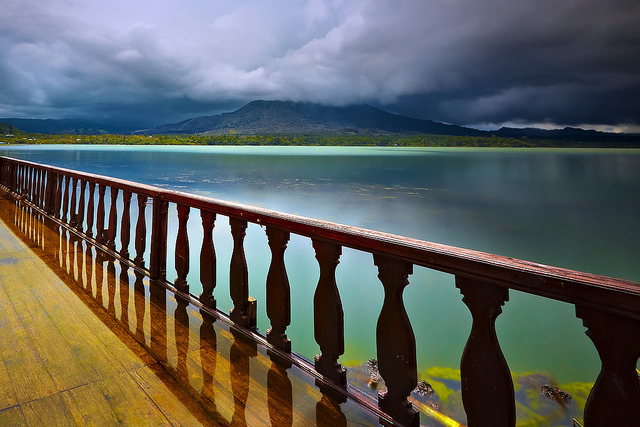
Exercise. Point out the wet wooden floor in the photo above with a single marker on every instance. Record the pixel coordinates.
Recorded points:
(85, 340)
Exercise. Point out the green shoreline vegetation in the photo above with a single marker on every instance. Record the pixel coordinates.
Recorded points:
(307, 139)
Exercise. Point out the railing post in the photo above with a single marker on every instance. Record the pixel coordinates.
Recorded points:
(208, 260)
(615, 397)
(244, 308)
(141, 231)
(125, 224)
(328, 317)
(487, 386)
(278, 292)
(396, 343)
(158, 258)
(182, 249)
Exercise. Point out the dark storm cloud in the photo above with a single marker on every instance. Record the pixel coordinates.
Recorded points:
(459, 61)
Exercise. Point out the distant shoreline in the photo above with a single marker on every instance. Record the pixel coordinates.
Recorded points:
(319, 139)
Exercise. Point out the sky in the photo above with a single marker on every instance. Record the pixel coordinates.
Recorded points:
(485, 64)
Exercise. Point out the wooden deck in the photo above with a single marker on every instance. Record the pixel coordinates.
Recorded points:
(85, 340)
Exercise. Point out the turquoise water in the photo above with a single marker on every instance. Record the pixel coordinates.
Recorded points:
(577, 209)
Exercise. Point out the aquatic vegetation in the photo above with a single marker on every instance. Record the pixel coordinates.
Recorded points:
(539, 401)
(555, 393)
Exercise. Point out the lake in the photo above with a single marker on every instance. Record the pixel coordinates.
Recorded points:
(572, 208)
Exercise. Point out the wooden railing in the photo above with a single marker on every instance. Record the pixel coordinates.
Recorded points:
(609, 308)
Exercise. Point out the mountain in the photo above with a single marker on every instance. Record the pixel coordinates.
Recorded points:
(7, 129)
(274, 117)
(71, 126)
(568, 134)
(260, 117)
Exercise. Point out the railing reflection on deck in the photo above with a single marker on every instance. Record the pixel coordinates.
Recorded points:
(609, 308)
(218, 366)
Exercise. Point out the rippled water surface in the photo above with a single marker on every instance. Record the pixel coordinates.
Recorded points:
(577, 209)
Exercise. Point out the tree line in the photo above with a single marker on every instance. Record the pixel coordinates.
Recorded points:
(310, 139)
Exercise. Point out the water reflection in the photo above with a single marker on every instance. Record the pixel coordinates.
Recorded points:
(236, 381)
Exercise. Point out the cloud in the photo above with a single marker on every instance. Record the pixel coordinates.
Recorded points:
(458, 61)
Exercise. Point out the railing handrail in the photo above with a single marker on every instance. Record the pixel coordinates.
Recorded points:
(616, 295)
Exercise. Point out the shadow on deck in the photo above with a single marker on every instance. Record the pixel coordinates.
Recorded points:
(89, 340)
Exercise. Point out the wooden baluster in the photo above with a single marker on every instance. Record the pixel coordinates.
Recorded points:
(65, 202)
(36, 188)
(41, 187)
(141, 231)
(44, 186)
(328, 317)
(113, 220)
(90, 209)
(52, 195)
(20, 179)
(615, 397)
(158, 257)
(125, 224)
(395, 342)
(100, 237)
(33, 192)
(487, 386)
(81, 203)
(278, 293)
(243, 311)
(27, 181)
(17, 177)
(208, 260)
(73, 216)
(32, 187)
(182, 249)
(58, 195)
(49, 191)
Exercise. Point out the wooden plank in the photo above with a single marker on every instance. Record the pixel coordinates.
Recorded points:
(29, 378)
(12, 417)
(50, 409)
(89, 407)
(171, 398)
(129, 402)
(66, 370)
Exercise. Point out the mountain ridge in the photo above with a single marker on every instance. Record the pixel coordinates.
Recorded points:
(258, 117)
(288, 117)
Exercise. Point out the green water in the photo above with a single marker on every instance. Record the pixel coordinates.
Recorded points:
(576, 208)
